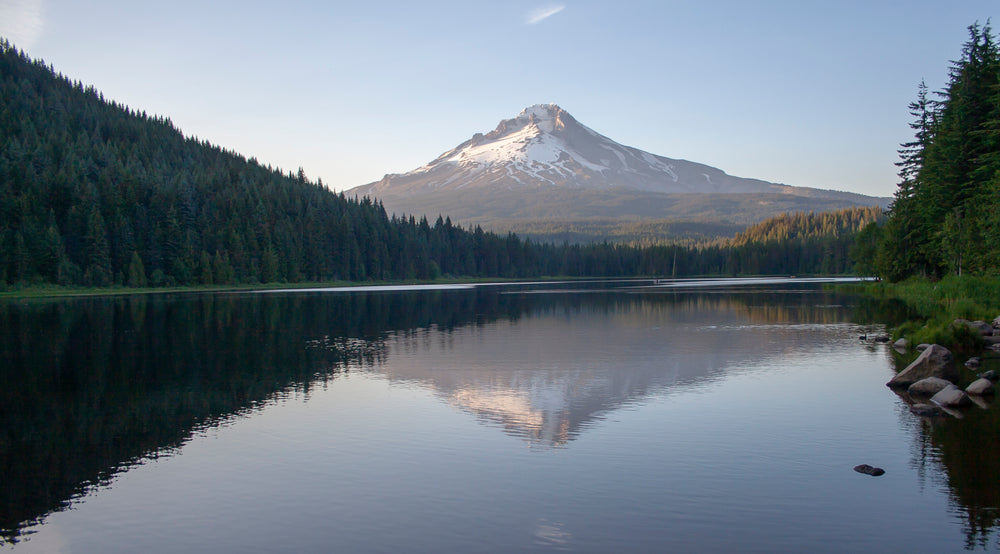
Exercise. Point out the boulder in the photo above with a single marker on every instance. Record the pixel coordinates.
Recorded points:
(984, 329)
(973, 363)
(934, 361)
(992, 375)
(928, 386)
(922, 346)
(980, 387)
(951, 397)
(926, 410)
(996, 322)
(869, 470)
(901, 344)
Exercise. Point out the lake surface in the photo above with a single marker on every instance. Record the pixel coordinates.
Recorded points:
(721, 416)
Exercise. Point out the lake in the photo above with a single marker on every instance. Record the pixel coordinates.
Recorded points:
(617, 416)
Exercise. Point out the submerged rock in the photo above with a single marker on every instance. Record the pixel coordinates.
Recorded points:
(983, 402)
(980, 387)
(928, 386)
(869, 470)
(926, 410)
(951, 397)
(934, 361)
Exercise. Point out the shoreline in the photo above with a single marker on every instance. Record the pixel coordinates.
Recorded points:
(938, 307)
(57, 291)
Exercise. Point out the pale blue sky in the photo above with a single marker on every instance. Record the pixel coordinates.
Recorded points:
(800, 92)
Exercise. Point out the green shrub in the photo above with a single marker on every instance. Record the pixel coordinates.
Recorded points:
(960, 338)
(907, 330)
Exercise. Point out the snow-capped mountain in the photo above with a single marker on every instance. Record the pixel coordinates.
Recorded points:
(545, 146)
(544, 164)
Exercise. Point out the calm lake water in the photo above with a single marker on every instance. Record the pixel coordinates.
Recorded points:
(584, 417)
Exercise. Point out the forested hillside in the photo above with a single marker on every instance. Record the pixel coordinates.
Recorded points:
(95, 193)
(802, 242)
(945, 216)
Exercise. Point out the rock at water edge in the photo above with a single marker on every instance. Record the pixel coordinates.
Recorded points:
(951, 397)
(981, 327)
(934, 361)
(980, 387)
(928, 386)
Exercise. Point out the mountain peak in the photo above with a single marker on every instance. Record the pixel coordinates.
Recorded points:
(539, 118)
(541, 111)
(541, 108)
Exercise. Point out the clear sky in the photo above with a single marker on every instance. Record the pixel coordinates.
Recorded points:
(802, 92)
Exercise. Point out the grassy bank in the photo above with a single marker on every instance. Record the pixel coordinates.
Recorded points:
(937, 304)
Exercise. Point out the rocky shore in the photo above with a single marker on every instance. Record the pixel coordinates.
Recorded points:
(934, 384)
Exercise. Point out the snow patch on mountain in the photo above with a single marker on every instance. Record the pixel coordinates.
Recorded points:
(527, 144)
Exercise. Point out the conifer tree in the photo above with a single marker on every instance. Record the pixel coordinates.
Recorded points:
(136, 271)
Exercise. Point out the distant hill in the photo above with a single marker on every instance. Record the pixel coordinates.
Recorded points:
(544, 168)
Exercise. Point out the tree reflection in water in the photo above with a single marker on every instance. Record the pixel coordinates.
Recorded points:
(963, 454)
(89, 387)
(960, 453)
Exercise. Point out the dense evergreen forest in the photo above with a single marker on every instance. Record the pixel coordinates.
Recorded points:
(801, 243)
(94, 193)
(945, 216)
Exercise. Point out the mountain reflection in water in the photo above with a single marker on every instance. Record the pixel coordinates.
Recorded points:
(547, 377)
